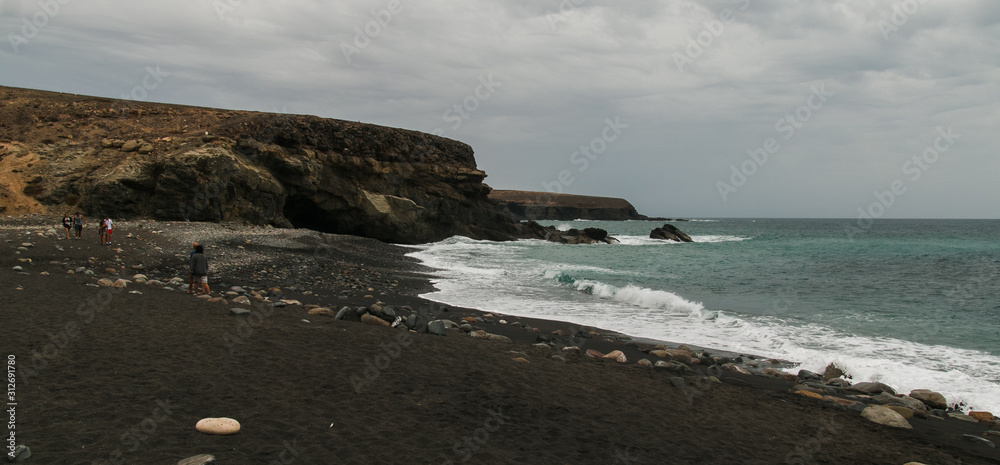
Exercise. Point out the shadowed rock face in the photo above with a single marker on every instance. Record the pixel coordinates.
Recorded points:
(564, 207)
(670, 232)
(62, 152)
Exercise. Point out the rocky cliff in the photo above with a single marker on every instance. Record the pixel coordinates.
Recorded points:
(527, 205)
(61, 152)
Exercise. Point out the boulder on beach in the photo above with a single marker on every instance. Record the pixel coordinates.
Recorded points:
(872, 388)
(885, 416)
(436, 327)
(932, 399)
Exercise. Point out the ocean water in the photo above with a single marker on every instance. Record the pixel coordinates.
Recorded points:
(911, 303)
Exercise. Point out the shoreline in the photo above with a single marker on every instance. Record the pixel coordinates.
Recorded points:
(343, 271)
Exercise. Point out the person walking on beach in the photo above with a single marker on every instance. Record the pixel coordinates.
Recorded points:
(199, 269)
(102, 231)
(67, 223)
(109, 227)
(78, 222)
(194, 249)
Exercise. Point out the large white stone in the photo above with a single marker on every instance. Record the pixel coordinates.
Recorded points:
(221, 426)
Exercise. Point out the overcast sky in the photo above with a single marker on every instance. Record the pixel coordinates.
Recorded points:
(666, 97)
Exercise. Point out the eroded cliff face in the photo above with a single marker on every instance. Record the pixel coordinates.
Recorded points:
(61, 152)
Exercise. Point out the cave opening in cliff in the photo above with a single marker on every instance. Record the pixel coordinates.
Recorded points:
(303, 212)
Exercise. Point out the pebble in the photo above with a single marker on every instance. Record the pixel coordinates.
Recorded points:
(617, 356)
(902, 411)
(572, 349)
(219, 426)
(645, 363)
(322, 311)
(373, 320)
(242, 300)
(809, 394)
(18, 268)
(982, 417)
(239, 312)
(197, 460)
(105, 282)
(541, 345)
(347, 314)
(677, 382)
(19, 454)
(120, 283)
(979, 440)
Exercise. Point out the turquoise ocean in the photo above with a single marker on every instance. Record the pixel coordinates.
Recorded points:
(910, 303)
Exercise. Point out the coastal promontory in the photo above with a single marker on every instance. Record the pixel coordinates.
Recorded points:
(128, 159)
(526, 205)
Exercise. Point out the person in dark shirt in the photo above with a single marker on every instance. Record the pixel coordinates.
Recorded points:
(67, 223)
(194, 246)
(78, 222)
(199, 268)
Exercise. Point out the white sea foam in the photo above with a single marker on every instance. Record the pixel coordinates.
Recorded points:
(498, 277)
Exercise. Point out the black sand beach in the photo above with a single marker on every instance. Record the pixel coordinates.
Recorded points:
(110, 375)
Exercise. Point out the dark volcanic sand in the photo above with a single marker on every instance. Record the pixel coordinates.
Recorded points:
(123, 378)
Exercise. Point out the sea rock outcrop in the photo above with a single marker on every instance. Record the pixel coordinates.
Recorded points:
(532, 230)
(671, 233)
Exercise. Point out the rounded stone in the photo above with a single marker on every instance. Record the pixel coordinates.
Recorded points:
(219, 426)
(885, 416)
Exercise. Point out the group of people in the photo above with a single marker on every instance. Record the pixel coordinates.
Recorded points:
(77, 221)
(197, 279)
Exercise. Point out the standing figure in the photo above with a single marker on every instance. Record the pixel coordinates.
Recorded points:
(67, 223)
(194, 249)
(78, 222)
(199, 268)
(109, 227)
(102, 231)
